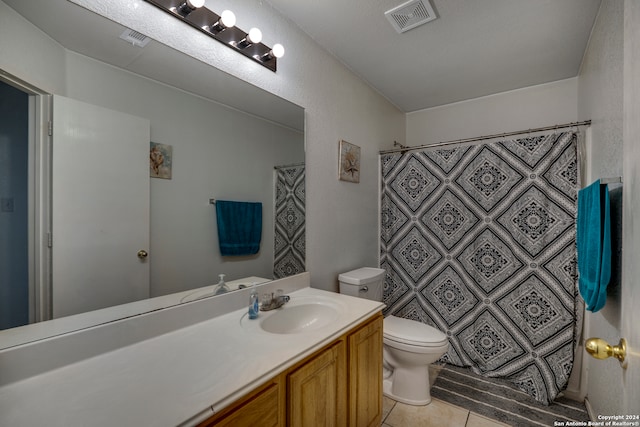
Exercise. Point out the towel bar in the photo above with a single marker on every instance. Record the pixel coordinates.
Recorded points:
(615, 180)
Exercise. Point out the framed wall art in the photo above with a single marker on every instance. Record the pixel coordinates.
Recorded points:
(160, 160)
(349, 162)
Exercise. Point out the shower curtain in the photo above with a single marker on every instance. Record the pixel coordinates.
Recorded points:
(479, 241)
(289, 241)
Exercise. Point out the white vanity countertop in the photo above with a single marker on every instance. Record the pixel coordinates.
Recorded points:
(168, 379)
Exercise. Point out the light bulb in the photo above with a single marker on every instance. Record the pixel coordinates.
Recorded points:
(188, 6)
(195, 4)
(277, 50)
(227, 19)
(254, 36)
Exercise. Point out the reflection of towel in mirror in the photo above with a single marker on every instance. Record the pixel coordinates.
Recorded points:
(593, 240)
(239, 227)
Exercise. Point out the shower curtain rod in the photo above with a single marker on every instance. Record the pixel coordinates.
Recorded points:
(481, 138)
(289, 166)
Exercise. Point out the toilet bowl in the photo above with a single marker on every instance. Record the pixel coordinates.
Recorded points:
(409, 347)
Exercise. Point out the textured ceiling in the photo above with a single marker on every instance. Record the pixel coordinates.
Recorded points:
(474, 47)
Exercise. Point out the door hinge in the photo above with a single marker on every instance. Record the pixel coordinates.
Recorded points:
(49, 240)
(50, 128)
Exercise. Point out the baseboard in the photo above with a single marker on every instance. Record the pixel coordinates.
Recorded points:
(592, 415)
(573, 395)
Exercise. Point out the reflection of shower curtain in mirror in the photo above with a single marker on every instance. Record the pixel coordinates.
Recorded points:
(289, 242)
(479, 241)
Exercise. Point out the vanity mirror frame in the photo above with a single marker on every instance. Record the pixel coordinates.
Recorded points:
(38, 331)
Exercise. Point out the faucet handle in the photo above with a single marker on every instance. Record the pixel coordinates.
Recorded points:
(266, 299)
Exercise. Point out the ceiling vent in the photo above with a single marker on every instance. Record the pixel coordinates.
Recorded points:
(135, 38)
(410, 15)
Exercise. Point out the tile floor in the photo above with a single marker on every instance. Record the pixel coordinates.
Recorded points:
(436, 414)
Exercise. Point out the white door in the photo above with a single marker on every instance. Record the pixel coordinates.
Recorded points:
(100, 207)
(630, 288)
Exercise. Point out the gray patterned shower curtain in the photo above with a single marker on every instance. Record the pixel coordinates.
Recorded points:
(479, 241)
(289, 240)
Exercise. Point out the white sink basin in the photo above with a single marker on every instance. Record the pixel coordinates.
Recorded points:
(297, 316)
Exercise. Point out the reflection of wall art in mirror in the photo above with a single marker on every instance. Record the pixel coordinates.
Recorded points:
(349, 162)
(160, 159)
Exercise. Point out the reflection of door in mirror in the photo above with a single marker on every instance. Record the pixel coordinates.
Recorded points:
(94, 245)
(101, 156)
(14, 275)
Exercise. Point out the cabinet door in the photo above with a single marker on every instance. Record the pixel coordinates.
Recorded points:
(317, 391)
(365, 375)
(264, 408)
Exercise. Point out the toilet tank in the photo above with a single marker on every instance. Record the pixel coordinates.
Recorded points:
(365, 282)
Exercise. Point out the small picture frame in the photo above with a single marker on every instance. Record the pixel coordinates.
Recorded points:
(160, 160)
(349, 162)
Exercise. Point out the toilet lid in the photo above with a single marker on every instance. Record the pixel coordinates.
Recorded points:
(411, 332)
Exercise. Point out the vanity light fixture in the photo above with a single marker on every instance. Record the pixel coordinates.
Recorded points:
(222, 28)
(188, 6)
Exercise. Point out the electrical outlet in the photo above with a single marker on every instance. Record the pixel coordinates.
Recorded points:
(6, 204)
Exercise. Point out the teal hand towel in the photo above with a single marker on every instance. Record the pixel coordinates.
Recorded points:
(593, 239)
(239, 227)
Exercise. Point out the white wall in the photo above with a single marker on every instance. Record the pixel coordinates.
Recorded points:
(218, 153)
(43, 66)
(342, 217)
(600, 98)
(536, 106)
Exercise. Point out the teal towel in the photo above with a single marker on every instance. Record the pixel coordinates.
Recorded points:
(239, 227)
(593, 240)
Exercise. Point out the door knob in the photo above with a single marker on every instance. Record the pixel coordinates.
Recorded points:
(600, 349)
(142, 254)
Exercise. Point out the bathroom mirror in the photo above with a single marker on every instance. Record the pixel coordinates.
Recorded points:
(217, 156)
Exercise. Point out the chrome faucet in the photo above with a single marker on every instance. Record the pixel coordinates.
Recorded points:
(273, 301)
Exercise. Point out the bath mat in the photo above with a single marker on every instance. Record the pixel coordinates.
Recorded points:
(500, 400)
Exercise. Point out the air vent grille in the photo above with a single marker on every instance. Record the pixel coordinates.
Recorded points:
(410, 15)
(135, 38)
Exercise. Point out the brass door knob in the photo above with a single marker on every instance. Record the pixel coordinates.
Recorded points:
(600, 349)
(142, 254)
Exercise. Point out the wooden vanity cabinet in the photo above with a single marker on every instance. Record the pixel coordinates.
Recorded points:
(339, 385)
(264, 406)
(365, 375)
(317, 390)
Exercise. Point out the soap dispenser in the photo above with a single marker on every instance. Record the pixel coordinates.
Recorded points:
(221, 287)
(254, 305)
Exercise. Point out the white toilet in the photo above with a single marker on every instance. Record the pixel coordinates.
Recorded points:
(409, 346)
